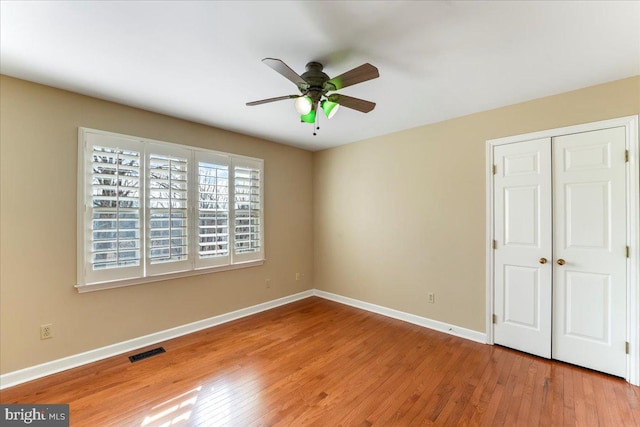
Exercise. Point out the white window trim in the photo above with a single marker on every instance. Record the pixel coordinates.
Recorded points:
(99, 286)
(147, 275)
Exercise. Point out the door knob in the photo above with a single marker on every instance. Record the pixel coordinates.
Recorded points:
(543, 261)
(560, 261)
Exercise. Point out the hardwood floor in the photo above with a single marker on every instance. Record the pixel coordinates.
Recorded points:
(316, 362)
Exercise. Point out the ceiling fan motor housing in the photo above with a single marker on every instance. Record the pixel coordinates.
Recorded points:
(318, 82)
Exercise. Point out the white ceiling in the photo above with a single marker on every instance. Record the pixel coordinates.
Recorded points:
(201, 60)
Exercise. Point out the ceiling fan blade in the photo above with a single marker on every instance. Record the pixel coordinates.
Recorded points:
(278, 98)
(286, 71)
(353, 103)
(357, 75)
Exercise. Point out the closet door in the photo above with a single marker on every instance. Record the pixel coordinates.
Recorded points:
(589, 279)
(522, 268)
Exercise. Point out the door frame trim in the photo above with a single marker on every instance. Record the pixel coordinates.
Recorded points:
(630, 123)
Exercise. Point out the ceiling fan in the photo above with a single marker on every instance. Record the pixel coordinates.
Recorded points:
(314, 86)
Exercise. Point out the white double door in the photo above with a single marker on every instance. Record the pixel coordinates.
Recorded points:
(560, 260)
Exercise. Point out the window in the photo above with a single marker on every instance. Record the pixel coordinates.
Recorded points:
(150, 210)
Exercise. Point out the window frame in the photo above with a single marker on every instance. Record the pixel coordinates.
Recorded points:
(89, 279)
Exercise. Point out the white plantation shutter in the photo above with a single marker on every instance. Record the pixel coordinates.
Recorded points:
(167, 209)
(113, 210)
(247, 211)
(213, 210)
(148, 209)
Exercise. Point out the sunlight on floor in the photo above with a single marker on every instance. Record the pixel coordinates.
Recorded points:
(227, 396)
(176, 411)
(216, 403)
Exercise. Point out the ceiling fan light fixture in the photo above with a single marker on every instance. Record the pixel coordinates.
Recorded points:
(310, 117)
(303, 105)
(330, 108)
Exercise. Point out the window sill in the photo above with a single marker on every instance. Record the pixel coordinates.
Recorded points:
(160, 277)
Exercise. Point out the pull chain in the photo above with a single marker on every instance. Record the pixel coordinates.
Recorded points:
(315, 123)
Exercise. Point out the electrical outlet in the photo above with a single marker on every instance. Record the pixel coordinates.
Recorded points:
(268, 283)
(46, 331)
(297, 276)
(431, 298)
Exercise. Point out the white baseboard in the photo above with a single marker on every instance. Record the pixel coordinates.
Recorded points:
(38, 371)
(407, 317)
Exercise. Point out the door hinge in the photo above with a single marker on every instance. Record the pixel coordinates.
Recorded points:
(626, 347)
(495, 169)
(626, 156)
(627, 251)
(494, 318)
(495, 244)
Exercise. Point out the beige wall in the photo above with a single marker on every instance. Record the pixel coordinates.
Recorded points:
(38, 137)
(401, 215)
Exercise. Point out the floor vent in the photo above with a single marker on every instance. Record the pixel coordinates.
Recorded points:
(146, 354)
